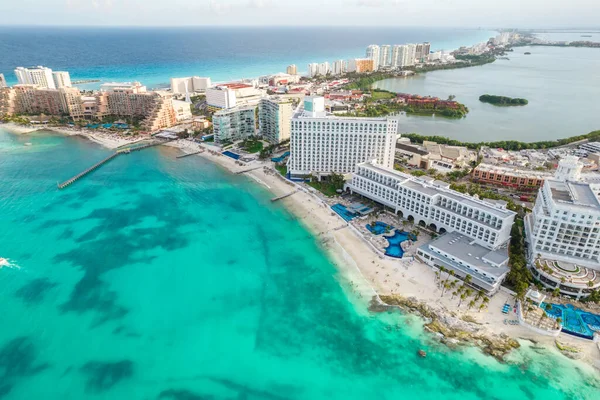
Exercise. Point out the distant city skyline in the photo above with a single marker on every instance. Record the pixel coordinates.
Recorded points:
(463, 13)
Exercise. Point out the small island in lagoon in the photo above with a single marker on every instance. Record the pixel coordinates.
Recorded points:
(502, 101)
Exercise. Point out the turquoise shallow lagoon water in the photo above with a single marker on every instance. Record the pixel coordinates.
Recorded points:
(157, 278)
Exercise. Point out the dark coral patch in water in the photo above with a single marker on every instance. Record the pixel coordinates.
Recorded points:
(18, 361)
(181, 394)
(35, 291)
(101, 376)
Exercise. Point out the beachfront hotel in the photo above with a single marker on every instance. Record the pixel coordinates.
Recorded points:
(274, 115)
(229, 95)
(2, 81)
(477, 231)
(563, 230)
(234, 124)
(39, 75)
(322, 143)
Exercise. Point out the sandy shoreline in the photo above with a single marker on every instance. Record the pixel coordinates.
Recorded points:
(108, 140)
(372, 275)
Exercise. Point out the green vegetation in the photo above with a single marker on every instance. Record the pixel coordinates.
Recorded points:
(519, 277)
(505, 144)
(502, 101)
(328, 185)
(251, 145)
(379, 94)
(282, 169)
(364, 81)
(459, 112)
(270, 149)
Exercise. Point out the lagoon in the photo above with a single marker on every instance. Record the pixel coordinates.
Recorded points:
(561, 85)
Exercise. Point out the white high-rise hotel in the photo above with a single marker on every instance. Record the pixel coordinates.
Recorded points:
(322, 143)
(373, 54)
(43, 77)
(565, 222)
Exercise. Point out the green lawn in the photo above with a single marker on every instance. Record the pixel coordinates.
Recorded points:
(326, 188)
(252, 146)
(282, 169)
(377, 95)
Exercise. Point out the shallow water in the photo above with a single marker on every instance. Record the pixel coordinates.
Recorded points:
(157, 278)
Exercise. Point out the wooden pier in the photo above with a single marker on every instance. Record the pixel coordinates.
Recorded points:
(190, 154)
(274, 199)
(104, 161)
(87, 171)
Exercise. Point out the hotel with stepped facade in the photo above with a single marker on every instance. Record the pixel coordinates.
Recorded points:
(321, 143)
(563, 231)
(475, 233)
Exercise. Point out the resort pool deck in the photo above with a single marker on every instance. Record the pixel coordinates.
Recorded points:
(395, 249)
(379, 228)
(575, 321)
(343, 212)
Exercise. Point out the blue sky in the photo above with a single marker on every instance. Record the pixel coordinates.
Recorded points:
(460, 13)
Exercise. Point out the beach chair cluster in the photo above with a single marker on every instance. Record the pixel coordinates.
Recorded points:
(506, 308)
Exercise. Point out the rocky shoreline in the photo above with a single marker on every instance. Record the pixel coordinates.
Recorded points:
(451, 330)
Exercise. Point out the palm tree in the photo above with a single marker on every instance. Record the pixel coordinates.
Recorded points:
(481, 307)
(480, 294)
(445, 287)
(450, 273)
(556, 292)
(590, 283)
(558, 322)
(453, 294)
(471, 304)
(468, 279)
(542, 317)
(462, 297)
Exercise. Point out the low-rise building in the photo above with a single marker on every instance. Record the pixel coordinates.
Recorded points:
(234, 124)
(521, 179)
(183, 110)
(456, 252)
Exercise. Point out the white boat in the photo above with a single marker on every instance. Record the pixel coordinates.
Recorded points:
(27, 144)
(4, 262)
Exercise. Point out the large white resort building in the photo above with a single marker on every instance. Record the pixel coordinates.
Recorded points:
(563, 231)
(321, 143)
(477, 231)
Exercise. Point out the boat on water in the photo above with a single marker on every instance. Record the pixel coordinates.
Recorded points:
(27, 144)
(4, 262)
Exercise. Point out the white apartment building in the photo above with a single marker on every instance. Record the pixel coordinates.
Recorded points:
(406, 55)
(189, 85)
(39, 75)
(385, 56)
(3, 83)
(234, 124)
(274, 119)
(322, 143)
(339, 67)
(565, 222)
(61, 79)
(313, 69)
(183, 110)
(373, 54)
(422, 51)
(229, 95)
(324, 68)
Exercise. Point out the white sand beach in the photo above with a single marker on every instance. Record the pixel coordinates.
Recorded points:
(109, 140)
(371, 273)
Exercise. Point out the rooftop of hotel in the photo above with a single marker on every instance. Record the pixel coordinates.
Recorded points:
(574, 193)
(575, 275)
(466, 250)
(431, 187)
(525, 173)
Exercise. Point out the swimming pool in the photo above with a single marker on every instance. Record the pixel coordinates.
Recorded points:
(575, 321)
(343, 212)
(379, 228)
(231, 154)
(394, 249)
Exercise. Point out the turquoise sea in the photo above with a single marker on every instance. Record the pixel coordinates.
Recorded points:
(157, 278)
